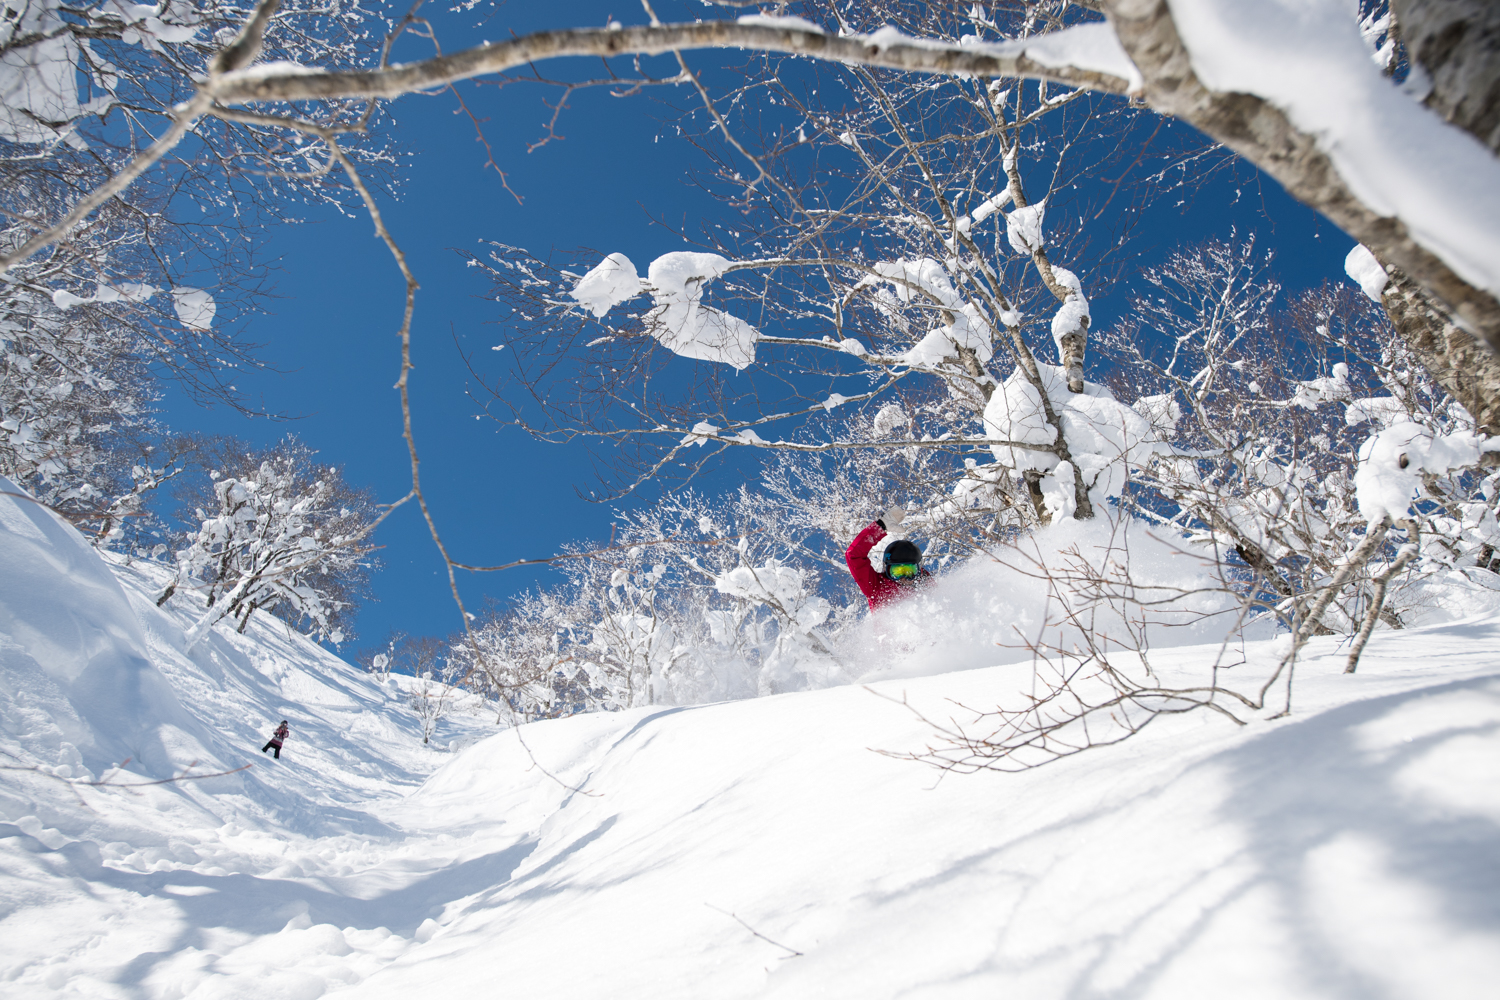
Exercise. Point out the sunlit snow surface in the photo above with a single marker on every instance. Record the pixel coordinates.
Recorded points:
(752, 849)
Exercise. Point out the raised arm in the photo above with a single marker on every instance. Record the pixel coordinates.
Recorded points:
(857, 556)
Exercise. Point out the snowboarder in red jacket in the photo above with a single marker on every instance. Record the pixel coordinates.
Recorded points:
(278, 738)
(903, 562)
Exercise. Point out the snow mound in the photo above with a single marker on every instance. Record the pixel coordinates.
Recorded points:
(79, 686)
(760, 849)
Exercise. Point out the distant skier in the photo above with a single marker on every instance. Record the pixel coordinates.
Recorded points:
(278, 738)
(903, 562)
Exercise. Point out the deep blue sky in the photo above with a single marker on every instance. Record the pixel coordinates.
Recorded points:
(498, 495)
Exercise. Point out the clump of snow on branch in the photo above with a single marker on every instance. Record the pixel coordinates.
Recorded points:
(610, 283)
(1161, 411)
(1366, 271)
(1023, 228)
(1383, 411)
(679, 321)
(927, 280)
(1393, 462)
(784, 21)
(1330, 388)
(702, 433)
(889, 418)
(984, 210)
(1072, 317)
(687, 327)
(1093, 46)
(39, 81)
(1105, 436)
(195, 307)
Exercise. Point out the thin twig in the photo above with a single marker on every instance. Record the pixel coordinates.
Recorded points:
(794, 953)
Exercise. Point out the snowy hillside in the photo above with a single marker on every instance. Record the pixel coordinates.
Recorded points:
(750, 849)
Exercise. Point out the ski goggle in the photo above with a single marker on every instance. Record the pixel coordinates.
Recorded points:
(903, 571)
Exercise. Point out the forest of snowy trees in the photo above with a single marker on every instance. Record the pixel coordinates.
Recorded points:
(893, 310)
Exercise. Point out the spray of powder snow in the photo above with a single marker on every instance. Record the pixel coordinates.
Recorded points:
(1000, 604)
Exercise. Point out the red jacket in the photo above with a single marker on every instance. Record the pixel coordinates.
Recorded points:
(878, 588)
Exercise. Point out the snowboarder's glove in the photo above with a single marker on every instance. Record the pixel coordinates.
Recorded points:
(893, 518)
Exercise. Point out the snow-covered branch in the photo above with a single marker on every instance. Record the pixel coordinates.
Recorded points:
(1085, 56)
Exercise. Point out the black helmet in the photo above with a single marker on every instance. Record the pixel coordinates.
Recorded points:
(902, 551)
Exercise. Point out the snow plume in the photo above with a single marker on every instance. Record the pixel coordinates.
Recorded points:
(1392, 463)
(800, 660)
(998, 605)
(1105, 436)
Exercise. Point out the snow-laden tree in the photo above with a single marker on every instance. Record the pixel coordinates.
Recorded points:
(78, 384)
(280, 533)
(1412, 179)
(522, 657)
(1251, 73)
(87, 90)
(698, 599)
(900, 250)
(432, 692)
(1265, 407)
(89, 321)
(937, 284)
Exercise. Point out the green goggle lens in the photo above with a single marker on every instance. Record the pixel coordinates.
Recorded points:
(903, 571)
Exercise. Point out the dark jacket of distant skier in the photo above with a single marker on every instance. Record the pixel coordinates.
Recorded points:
(903, 572)
(278, 738)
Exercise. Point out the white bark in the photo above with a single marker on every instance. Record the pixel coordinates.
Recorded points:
(1011, 59)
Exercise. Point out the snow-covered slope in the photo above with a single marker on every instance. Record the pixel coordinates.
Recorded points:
(109, 890)
(752, 849)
